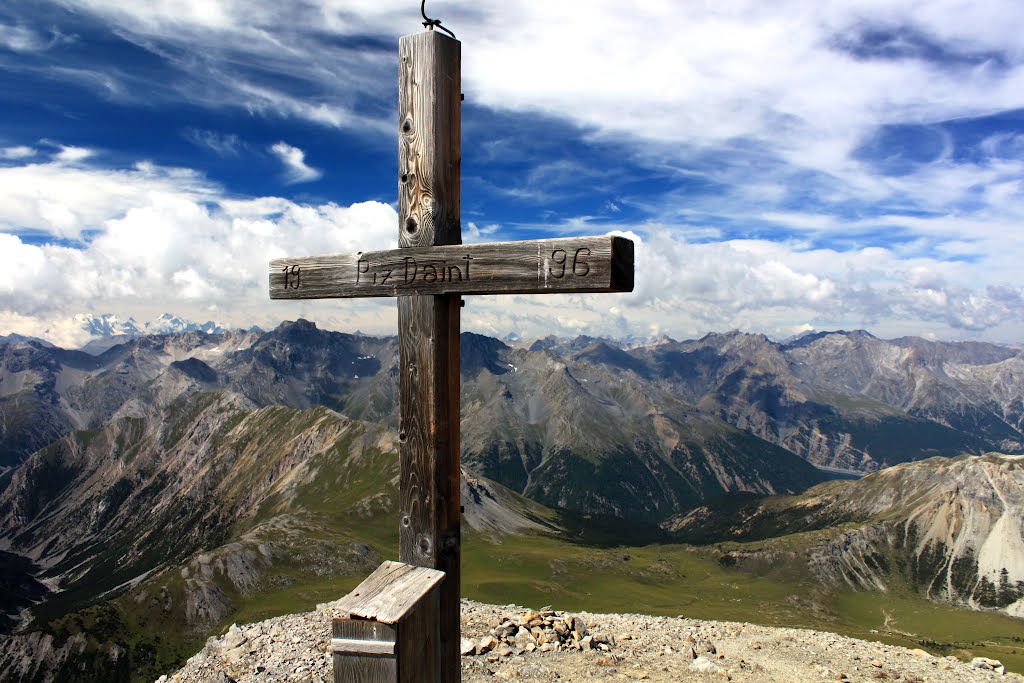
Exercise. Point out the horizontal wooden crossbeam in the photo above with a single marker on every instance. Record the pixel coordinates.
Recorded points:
(570, 264)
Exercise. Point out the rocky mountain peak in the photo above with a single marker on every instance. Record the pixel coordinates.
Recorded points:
(478, 352)
(299, 330)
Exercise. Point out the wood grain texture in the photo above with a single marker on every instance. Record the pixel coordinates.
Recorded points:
(390, 592)
(362, 647)
(418, 655)
(571, 264)
(429, 106)
(364, 668)
(429, 532)
(429, 140)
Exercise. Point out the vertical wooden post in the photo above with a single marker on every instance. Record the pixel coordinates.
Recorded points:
(430, 154)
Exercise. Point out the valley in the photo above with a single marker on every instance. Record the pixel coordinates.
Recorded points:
(171, 485)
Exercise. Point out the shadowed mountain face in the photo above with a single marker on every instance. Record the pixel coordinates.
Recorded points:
(47, 392)
(843, 400)
(581, 434)
(850, 400)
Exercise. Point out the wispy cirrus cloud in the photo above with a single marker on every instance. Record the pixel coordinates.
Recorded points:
(223, 144)
(24, 39)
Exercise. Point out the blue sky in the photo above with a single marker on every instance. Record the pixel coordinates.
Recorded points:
(783, 166)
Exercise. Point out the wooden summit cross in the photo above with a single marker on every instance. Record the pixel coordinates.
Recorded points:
(429, 273)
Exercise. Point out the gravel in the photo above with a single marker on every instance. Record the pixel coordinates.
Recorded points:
(629, 647)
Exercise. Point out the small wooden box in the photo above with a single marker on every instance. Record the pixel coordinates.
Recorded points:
(391, 633)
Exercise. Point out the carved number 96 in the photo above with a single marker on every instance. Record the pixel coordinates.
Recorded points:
(579, 267)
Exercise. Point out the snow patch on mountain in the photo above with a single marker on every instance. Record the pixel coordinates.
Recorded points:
(109, 325)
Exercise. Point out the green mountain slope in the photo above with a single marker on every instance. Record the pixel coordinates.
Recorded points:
(948, 528)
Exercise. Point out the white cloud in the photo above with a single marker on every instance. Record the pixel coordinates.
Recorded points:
(294, 160)
(63, 199)
(224, 144)
(177, 255)
(160, 237)
(21, 39)
(763, 100)
(686, 80)
(472, 233)
(19, 152)
(686, 289)
(70, 154)
(166, 239)
(60, 330)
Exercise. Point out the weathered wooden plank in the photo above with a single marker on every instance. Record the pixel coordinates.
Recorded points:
(418, 655)
(429, 158)
(364, 668)
(570, 264)
(429, 531)
(429, 140)
(390, 592)
(362, 647)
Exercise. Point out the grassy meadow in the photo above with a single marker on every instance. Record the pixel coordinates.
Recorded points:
(677, 580)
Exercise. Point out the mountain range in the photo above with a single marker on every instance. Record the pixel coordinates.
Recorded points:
(272, 456)
(110, 325)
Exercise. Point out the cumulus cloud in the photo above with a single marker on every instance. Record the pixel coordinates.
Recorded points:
(471, 232)
(770, 286)
(63, 199)
(153, 234)
(294, 160)
(168, 239)
(685, 289)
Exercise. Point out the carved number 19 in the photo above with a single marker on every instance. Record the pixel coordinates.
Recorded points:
(291, 277)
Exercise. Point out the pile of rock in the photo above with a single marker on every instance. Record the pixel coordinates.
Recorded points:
(986, 664)
(545, 631)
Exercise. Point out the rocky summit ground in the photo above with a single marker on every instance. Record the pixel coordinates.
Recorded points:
(514, 643)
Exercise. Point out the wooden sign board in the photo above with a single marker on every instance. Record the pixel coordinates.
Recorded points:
(571, 264)
(390, 634)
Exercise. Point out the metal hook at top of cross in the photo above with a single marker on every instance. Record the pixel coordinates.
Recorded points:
(431, 24)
